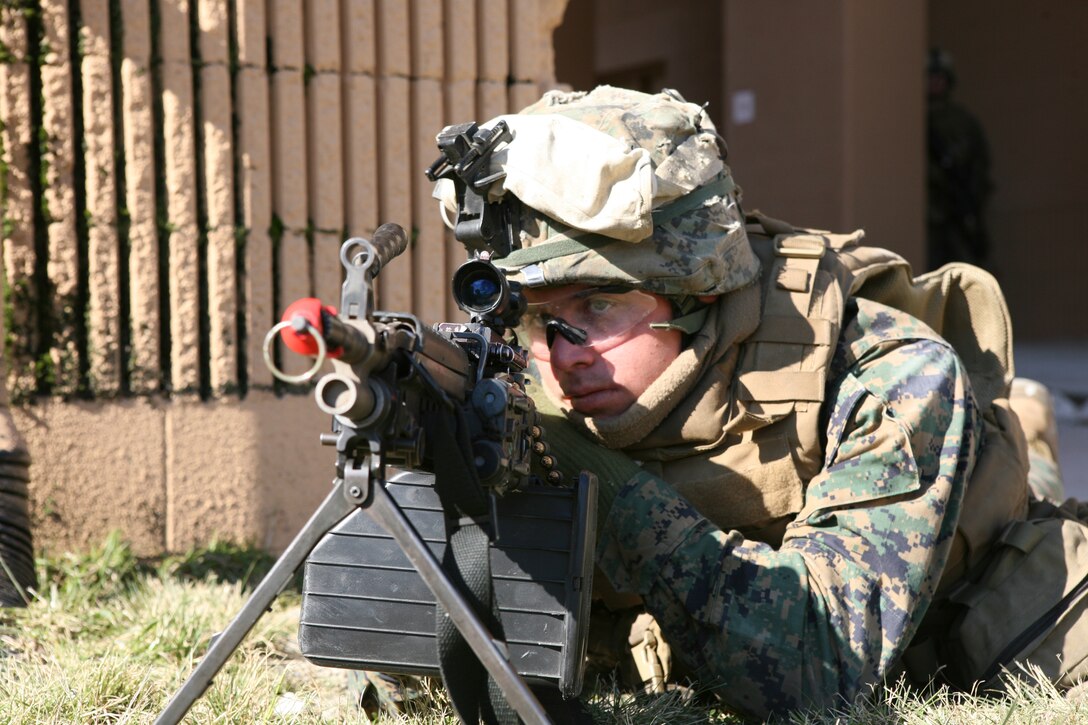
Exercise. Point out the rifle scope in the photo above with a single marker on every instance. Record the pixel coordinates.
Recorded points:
(482, 290)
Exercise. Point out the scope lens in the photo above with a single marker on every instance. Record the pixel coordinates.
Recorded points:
(479, 287)
(482, 293)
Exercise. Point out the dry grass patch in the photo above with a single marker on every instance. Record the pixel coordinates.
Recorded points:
(109, 638)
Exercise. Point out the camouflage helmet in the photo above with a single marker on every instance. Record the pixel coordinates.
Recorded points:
(696, 244)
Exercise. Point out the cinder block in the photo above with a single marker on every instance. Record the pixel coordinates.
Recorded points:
(532, 23)
(523, 94)
(73, 505)
(98, 138)
(178, 132)
(103, 333)
(431, 273)
(222, 311)
(460, 108)
(395, 190)
(218, 157)
(63, 264)
(174, 31)
(143, 274)
(211, 487)
(361, 154)
(139, 140)
(459, 44)
(285, 18)
(16, 135)
(13, 34)
(259, 315)
(136, 32)
(63, 271)
(326, 152)
(17, 250)
(327, 267)
(94, 16)
(323, 35)
(250, 32)
(294, 280)
(184, 311)
(394, 36)
(551, 17)
(59, 134)
(460, 103)
(491, 100)
(294, 479)
(254, 148)
(289, 183)
(56, 25)
(427, 42)
(359, 36)
(184, 482)
(455, 257)
(492, 39)
(525, 50)
(213, 18)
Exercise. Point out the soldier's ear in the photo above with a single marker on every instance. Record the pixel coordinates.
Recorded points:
(707, 299)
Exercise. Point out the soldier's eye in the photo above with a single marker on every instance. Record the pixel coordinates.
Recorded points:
(599, 305)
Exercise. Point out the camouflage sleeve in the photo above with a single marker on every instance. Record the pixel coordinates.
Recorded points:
(830, 610)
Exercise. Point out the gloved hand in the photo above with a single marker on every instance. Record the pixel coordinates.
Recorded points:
(574, 453)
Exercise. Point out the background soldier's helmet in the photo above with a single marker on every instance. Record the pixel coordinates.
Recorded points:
(622, 187)
(939, 62)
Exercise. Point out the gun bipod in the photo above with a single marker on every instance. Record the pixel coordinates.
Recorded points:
(358, 488)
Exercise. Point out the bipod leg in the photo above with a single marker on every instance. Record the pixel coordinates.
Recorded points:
(490, 652)
(338, 504)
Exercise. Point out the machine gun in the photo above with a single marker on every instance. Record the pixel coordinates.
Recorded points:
(451, 400)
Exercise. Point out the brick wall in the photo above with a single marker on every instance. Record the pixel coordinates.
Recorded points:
(172, 174)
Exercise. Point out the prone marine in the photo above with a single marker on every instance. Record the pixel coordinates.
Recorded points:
(808, 459)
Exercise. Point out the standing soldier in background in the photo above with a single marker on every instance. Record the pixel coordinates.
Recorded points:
(958, 175)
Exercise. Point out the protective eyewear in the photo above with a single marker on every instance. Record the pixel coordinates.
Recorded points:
(599, 318)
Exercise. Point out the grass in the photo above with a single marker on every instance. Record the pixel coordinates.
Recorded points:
(108, 638)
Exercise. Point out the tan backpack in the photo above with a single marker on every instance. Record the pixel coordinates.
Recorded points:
(1013, 595)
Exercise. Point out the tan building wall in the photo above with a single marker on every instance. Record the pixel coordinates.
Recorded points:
(163, 200)
(821, 103)
(831, 116)
(1023, 71)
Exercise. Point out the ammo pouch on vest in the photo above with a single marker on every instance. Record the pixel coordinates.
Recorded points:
(1023, 605)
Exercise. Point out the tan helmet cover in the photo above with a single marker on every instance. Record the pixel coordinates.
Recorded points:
(622, 187)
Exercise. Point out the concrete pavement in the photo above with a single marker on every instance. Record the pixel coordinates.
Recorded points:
(1063, 368)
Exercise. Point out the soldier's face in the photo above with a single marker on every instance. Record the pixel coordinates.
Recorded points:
(602, 380)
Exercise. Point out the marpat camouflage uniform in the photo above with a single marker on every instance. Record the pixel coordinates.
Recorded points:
(817, 620)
